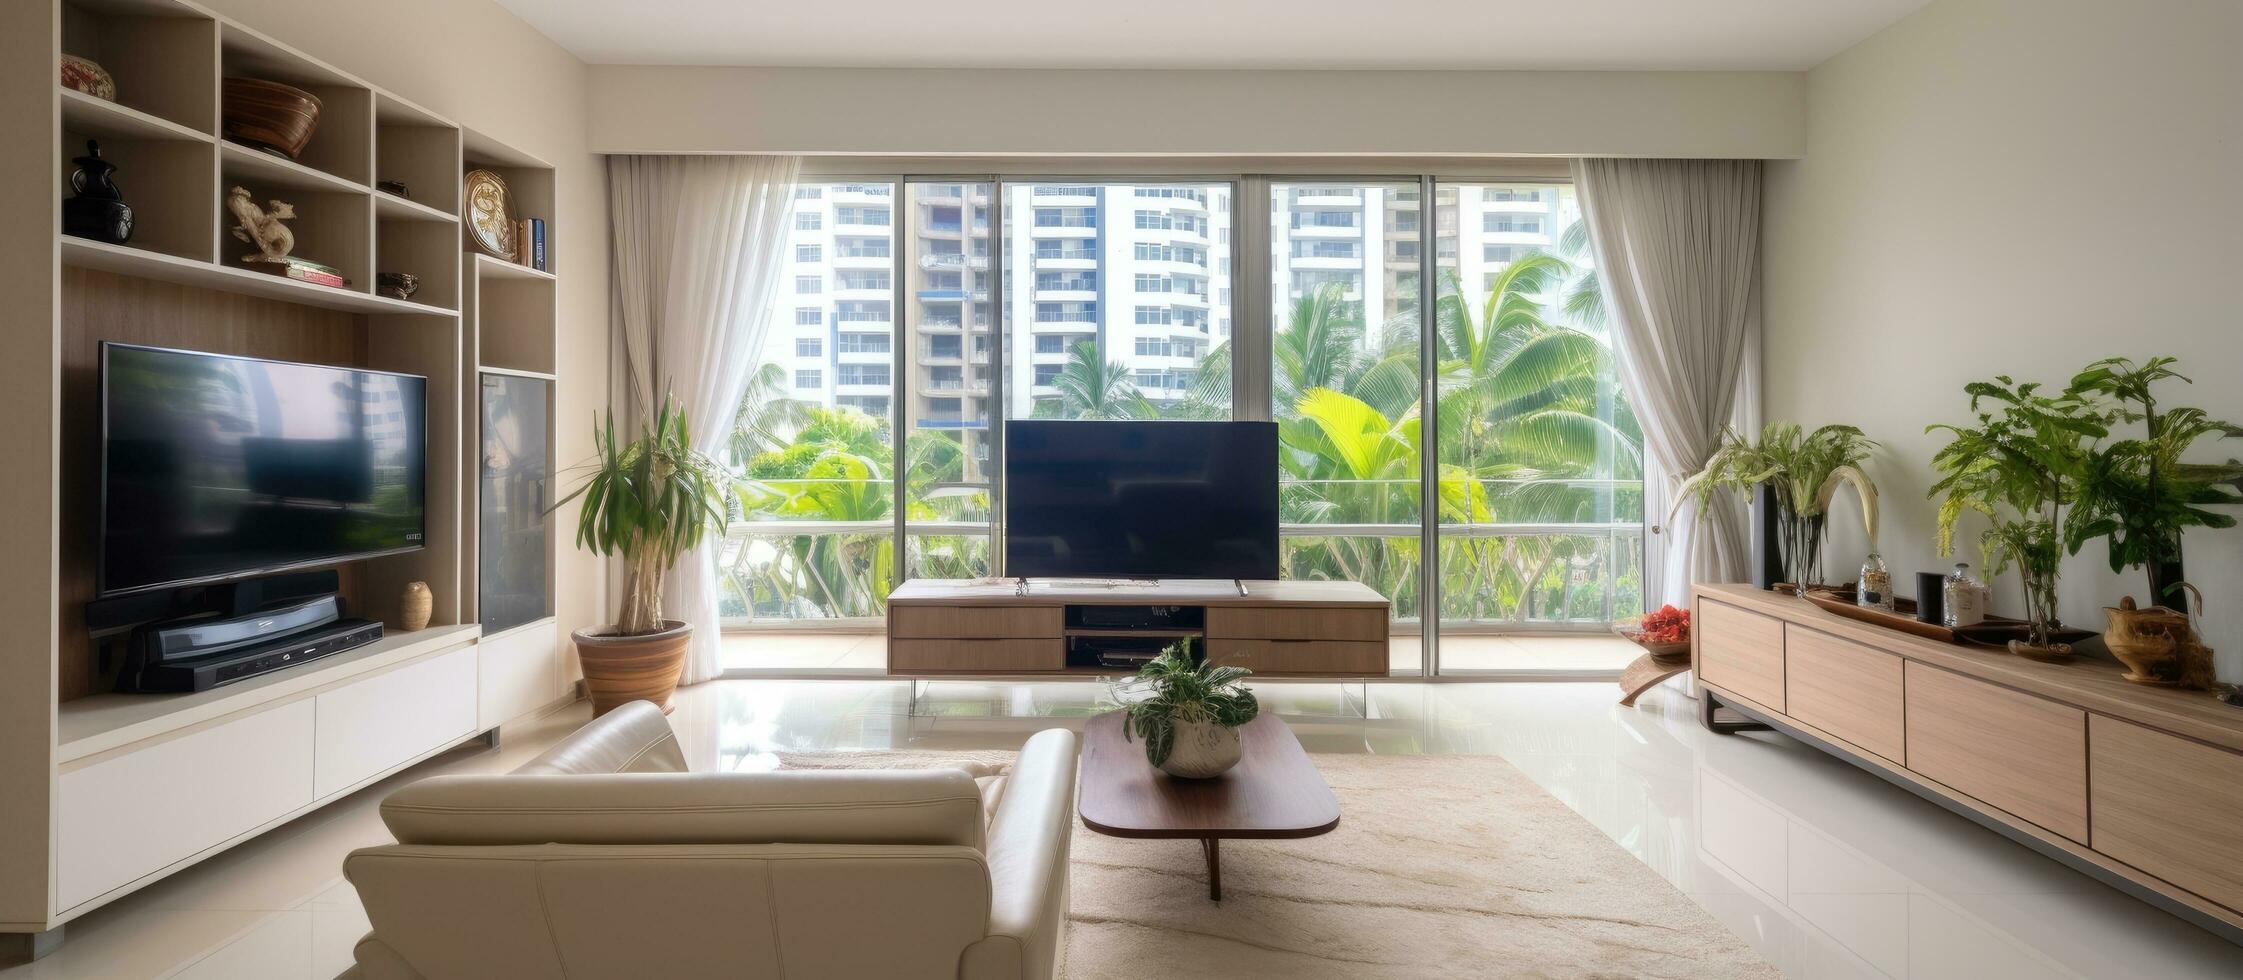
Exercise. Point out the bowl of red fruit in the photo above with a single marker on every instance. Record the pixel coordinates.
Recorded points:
(1665, 633)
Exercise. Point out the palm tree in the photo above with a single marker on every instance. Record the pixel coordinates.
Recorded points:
(1091, 387)
(767, 413)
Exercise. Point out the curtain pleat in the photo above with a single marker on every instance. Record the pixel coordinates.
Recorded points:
(698, 243)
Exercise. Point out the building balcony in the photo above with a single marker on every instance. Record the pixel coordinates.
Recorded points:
(1065, 231)
(845, 389)
(846, 261)
(1065, 326)
(1066, 263)
(863, 357)
(1327, 231)
(1514, 207)
(1529, 238)
(1068, 294)
(1325, 262)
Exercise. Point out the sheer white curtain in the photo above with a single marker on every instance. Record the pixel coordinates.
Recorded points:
(698, 251)
(1678, 247)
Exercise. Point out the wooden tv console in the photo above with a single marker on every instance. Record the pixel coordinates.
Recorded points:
(1005, 627)
(2138, 787)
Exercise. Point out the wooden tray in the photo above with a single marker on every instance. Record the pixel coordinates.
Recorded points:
(1995, 632)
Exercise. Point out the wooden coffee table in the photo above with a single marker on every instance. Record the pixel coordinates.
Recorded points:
(1274, 793)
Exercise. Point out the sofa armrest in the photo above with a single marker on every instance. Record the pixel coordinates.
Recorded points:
(635, 737)
(1027, 853)
(930, 807)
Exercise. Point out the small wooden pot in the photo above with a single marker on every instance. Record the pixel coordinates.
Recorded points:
(2157, 645)
(622, 669)
(414, 607)
(270, 115)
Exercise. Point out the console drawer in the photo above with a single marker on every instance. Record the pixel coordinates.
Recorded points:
(1318, 658)
(1362, 625)
(2009, 749)
(974, 622)
(1741, 652)
(907, 656)
(1846, 689)
(2167, 805)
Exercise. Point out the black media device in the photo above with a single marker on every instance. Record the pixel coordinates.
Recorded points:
(1122, 637)
(1141, 499)
(218, 475)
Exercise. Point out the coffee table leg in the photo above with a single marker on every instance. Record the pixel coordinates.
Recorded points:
(1214, 848)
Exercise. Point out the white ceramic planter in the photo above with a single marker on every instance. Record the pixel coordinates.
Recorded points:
(1203, 749)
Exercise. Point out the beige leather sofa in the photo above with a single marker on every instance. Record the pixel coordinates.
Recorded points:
(606, 858)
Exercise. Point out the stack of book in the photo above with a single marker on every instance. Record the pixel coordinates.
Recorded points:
(529, 234)
(305, 270)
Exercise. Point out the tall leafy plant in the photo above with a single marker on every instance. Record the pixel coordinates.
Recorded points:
(649, 500)
(2022, 463)
(1805, 470)
(2137, 493)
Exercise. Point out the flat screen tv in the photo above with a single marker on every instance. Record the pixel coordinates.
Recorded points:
(1141, 499)
(216, 468)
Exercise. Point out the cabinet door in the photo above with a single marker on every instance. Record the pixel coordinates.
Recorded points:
(1316, 658)
(2168, 806)
(907, 656)
(1741, 652)
(1357, 624)
(382, 722)
(974, 622)
(514, 539)
(2009, 749)
(136, 814)
(1845, 689)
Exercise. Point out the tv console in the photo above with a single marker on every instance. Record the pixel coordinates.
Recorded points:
(1009, 627)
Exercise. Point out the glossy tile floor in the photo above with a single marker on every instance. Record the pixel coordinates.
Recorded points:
(1582, 653)
(1827, 871)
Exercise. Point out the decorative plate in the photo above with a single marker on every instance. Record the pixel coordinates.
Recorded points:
(489, 213)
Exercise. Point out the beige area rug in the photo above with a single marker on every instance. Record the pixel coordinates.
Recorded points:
(1442, 866)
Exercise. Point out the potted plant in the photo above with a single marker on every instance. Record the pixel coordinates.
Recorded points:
(1188, 711)
(1804, 470)
(649, 501)
(2138, 496)
(2020, 465)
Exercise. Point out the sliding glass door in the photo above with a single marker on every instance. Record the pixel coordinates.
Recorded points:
(917, 314)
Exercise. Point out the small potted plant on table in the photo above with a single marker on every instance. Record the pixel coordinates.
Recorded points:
(1188, 711)
(649, 501)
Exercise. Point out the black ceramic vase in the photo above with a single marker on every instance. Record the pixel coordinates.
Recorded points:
(99, 211)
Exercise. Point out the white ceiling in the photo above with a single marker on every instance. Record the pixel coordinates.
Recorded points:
(1428, 34)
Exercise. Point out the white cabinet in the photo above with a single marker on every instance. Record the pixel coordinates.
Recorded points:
(135, 814)
(521, 672)
(387, 720)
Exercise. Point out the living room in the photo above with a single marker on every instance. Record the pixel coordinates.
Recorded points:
(537, 488)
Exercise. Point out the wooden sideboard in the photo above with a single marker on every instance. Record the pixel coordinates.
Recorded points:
(1002, 627)
(2140, 787)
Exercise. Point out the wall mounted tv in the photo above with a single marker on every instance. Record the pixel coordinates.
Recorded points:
(216, 468)
(1141, 499)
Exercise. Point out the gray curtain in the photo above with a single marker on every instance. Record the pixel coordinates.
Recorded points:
(699, 242)
(1678, 247)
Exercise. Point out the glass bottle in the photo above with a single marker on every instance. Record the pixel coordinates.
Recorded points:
(1963, 597)
(1876, 588)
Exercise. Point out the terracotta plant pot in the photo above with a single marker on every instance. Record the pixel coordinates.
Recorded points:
(2157, 646)
(622, 669)
(1203, 750)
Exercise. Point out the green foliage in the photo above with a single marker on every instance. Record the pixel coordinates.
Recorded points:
(1805, 469)
(1174, 688)
(2137, 493)
(1091, 387)
(649, 501)
(2020, 466)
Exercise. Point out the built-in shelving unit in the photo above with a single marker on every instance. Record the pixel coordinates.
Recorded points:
(75, 761)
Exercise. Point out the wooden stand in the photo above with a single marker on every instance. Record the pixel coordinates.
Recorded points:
(1008, 627)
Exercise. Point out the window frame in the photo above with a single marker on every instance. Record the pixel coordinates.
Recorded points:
(1246, 258)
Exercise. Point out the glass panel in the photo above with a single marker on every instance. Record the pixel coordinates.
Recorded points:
(1345, 382)
(947, 454)
(812, 443)
(515, 534)
(1540, 457)
(1117, 301)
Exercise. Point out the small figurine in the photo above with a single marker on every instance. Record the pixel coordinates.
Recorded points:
(262, 227)
(98, 211)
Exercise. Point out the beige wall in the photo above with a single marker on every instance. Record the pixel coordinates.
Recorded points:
(2013, 187)
(935, 112)
(484, 68)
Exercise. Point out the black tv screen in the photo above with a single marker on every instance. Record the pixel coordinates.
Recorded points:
(216, 467)
(1141, 499)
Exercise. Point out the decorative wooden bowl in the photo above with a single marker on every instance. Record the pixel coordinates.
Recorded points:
(1994, 633)
(269, 115)
(1663, 651)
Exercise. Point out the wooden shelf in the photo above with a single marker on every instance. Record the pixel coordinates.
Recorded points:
(268, 169)
(129, 261)
(517, 372)
(390, 207)
(92, 725)
(102, 119)
(493, 267)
